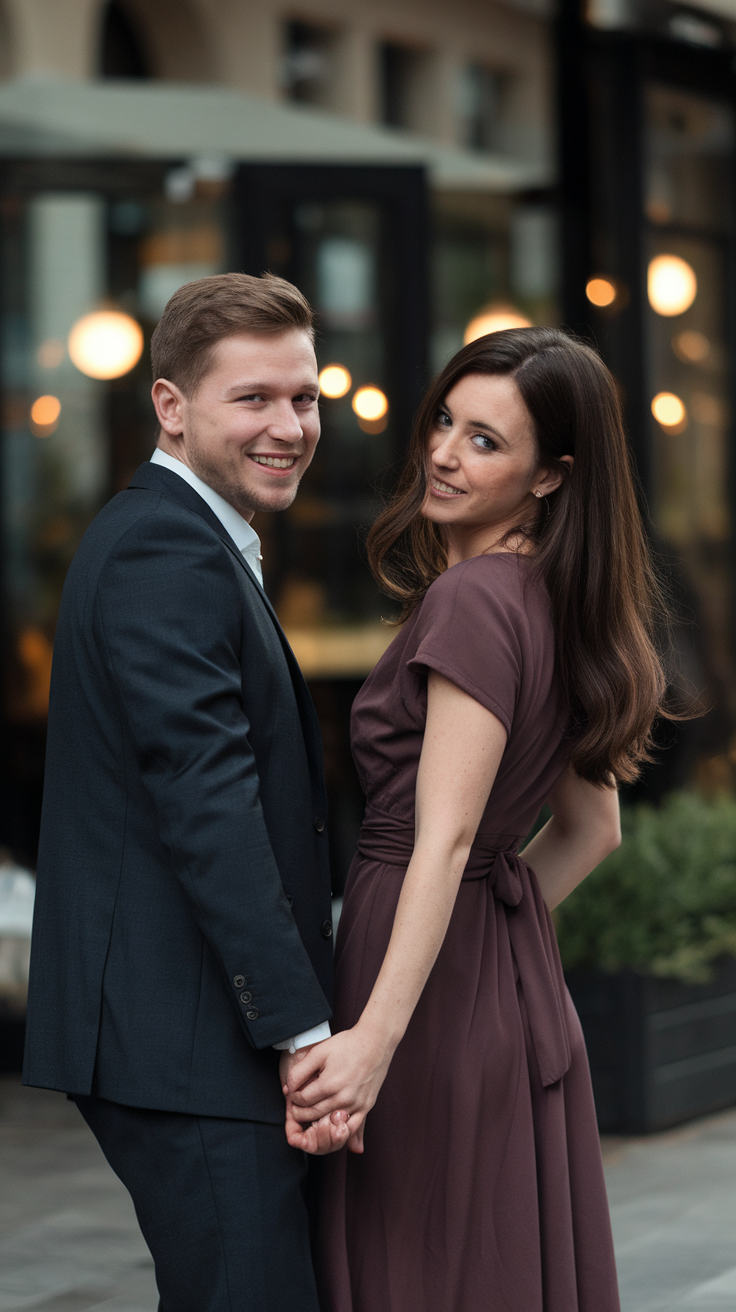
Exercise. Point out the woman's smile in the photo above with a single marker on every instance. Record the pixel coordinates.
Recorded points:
(440, 489)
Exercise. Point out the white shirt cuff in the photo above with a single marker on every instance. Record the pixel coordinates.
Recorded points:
(317, 1034)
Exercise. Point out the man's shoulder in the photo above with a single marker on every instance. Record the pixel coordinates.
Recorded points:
(143, 529)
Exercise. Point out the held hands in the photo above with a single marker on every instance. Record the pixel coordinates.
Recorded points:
(331, 1087)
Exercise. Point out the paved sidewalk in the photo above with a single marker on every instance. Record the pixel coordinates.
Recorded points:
(673, 1205)
(69, 1240)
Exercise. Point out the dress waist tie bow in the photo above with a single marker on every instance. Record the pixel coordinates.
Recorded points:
(531, 933)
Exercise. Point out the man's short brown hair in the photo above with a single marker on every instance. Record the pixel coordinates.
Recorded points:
(200, 314)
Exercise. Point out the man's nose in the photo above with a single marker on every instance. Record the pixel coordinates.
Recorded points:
(285, 425)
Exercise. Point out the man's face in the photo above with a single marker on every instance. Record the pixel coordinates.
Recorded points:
(251, 428)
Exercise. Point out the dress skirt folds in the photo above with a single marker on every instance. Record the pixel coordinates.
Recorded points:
(481, 1186)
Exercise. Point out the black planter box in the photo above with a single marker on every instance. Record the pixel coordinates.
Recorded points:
(660, 1052)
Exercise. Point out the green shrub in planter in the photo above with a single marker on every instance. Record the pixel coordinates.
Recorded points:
(665, 901)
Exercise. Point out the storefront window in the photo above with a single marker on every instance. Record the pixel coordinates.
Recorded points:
(688, 202)
(77, 416)
(491, 253)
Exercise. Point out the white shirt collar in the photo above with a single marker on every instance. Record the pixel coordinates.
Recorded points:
(245, 538)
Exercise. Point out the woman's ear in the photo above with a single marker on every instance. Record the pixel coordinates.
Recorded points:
(548, 480)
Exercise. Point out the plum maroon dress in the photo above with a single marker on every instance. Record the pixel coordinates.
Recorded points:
(481, 1186)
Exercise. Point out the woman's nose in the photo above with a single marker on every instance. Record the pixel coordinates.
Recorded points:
(446, 454)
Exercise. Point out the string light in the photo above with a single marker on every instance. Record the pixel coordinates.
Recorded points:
(494, 319)
(335, 381)
(370, 403)
(106, 344)
(669, 411)
(600, 291)
(44, 417)
(671, 285)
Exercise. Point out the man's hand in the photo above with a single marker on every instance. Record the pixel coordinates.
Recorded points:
(326, 1135)
(343, 1074)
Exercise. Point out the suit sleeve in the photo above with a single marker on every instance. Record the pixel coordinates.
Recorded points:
(170, 613)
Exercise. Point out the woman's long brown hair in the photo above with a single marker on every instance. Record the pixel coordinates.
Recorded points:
(590, 549)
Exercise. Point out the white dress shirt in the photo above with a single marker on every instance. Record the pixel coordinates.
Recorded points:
(245, 538)
(248, 542)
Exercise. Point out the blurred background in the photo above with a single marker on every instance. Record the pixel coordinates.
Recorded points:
(424, 173)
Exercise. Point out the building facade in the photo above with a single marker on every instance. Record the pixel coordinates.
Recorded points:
(414, 168)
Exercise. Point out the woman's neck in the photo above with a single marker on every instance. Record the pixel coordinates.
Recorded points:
(484, 541)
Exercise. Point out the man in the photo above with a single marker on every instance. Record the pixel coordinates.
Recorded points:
(182, 929)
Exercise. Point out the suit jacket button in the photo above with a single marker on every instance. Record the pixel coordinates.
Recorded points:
(327, 928)
(245, 998)
(319, 824)
(239, 981)
(252, 1014)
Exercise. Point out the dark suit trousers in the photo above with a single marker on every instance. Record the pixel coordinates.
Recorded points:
(221, 1204)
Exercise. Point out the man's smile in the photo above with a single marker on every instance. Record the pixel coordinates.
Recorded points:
(275, 462)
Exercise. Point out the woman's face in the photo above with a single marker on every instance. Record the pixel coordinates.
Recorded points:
(483, 464)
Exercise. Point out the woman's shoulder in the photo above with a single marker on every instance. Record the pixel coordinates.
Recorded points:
(501, 576)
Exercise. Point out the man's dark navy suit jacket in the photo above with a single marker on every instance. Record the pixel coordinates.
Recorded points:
(183, 901)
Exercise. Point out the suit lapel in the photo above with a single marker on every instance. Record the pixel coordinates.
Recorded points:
(158, 479)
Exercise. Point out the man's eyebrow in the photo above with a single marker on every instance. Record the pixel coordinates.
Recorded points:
(249, 387)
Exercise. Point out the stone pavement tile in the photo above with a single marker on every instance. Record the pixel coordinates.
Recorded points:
(718, 1293)
(69, 1239)
(673, 1208)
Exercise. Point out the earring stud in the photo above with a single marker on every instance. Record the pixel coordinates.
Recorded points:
(537, 494)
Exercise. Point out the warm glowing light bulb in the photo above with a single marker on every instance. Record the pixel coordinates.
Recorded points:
(600, 291)
(370, 403)
(671, 285)
(690, 346)
(494, 319)
(106, 344)
(45, 413)
(334, 381)
(669, 410)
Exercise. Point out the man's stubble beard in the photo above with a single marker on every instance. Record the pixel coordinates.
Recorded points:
(245, 502)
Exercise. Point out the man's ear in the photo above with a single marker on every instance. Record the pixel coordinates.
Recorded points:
(550, 479)
(168, 402)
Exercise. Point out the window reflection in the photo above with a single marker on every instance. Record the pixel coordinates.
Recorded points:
(323, 593)
(688, 142)
(72, 432)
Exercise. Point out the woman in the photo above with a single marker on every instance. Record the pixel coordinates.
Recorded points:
(525, 673)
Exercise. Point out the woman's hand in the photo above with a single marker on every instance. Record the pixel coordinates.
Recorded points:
(338, 1078)
(585, 827)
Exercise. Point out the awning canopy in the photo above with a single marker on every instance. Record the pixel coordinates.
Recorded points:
(171, 120)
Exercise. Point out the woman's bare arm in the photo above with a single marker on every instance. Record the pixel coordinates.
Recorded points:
(463, 746)
(585, 827)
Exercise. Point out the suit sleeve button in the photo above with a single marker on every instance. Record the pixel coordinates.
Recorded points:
(252, 1014)
(319, 824)
(239, 981)
(327, 929)
(245, 998)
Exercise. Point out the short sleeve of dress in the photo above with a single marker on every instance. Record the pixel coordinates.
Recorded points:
(469, 629)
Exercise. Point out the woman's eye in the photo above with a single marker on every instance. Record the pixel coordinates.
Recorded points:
(485, 442)
(443, 419)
